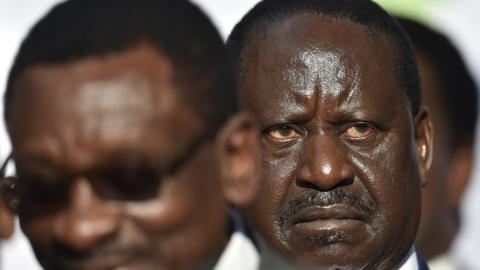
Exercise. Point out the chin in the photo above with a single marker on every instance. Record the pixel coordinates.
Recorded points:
(334, 256)
(329, 250)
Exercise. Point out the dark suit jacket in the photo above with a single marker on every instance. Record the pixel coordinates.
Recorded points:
(422, 265)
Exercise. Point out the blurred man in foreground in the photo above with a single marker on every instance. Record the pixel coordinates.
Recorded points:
(126, 140)
(450, 94)
(345, 144)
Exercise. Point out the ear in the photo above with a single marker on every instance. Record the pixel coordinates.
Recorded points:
(8, 205)
(459, 173)
(239, 158)
(6, 221)
(424, 141)
(9, 193)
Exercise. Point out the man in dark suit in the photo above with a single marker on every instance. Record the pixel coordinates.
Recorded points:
(129, 148)
(345, 141)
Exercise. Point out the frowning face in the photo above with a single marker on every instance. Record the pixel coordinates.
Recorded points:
(340, 146)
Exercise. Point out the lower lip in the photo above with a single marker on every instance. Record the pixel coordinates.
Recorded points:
(117, 263)
(319, 226)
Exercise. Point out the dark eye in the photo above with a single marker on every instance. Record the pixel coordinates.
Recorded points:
(283, 133)
(43, 191)
(130, 184)
(360, 131)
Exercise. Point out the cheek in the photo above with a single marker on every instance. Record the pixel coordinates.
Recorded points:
(278, 176)
(389, 166)
(278, 173)
(186, 222)
(38, 230)
(190, 201)
(176, 206)
(170, 209)
(390, 174)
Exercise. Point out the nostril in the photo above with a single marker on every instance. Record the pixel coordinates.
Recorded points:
(307, 184)
(325, 176)
(346, 181)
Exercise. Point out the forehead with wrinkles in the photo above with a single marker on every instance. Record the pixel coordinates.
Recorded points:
(322, 59)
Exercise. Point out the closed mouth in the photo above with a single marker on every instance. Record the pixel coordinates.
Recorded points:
(327, 213)
(98, 262)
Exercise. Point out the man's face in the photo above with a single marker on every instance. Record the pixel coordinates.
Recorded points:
(114, 169)
(450, 171)
(435, 203)
(341, 181)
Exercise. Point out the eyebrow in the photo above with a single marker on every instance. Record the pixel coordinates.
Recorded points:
(29, 157)
(283, 116)
(288, 105)
(362, 112)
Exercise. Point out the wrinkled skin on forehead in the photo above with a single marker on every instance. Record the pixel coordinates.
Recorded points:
(342, 153)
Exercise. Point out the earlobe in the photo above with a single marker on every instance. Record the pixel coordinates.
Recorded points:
(239, 159)
(424, 141)
(9, 193)
(7, 221)
(8, 206)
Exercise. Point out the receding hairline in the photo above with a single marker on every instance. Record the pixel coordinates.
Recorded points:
(372, 18)
(195, 45)
(177, 71)
(262, 28)
(136, 53)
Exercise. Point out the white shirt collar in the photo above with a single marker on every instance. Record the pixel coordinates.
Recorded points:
(410, 262)
(239, 254)
(443, 262)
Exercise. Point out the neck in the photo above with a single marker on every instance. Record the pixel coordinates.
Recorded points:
(437, 241)
(210, 262)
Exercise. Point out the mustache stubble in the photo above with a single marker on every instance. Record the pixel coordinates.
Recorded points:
(324, 199)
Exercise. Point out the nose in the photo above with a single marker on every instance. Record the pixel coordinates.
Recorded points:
(324, 164)
(87, 221)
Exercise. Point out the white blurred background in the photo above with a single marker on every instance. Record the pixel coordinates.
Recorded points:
(458, 18)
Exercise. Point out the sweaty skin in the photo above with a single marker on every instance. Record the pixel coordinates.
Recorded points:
(111, 172)
(342, 152)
